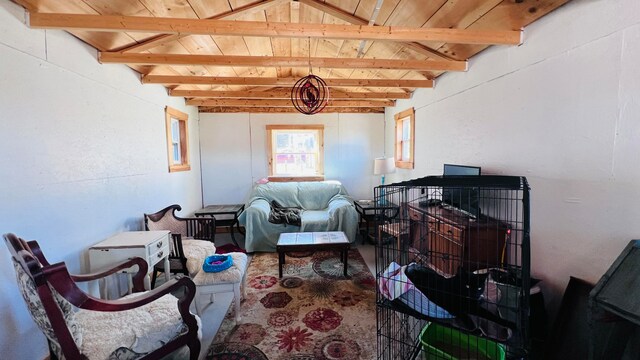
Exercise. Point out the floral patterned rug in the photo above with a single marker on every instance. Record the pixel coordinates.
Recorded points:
(313, 312)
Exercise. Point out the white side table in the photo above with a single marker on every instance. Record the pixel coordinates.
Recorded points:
(152, 246)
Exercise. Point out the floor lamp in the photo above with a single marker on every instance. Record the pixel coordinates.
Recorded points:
(382, 166)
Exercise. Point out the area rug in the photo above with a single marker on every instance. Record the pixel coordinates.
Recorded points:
(313, 312)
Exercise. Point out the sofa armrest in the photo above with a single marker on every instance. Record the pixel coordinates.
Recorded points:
(259, 207)
(338, 202)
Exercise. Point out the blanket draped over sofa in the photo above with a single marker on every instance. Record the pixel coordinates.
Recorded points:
(326, 206)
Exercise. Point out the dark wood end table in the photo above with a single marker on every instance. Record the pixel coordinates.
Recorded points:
(225, 215)
(372, 212)
(313, 241)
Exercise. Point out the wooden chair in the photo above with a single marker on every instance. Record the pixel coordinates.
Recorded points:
(193, 240)
(99, 328)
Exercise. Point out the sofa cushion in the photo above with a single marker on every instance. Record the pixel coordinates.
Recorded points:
(315, 219)
(285, 193)
(316, 195)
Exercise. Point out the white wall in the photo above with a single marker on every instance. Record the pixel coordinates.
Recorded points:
(234, 151)
(562, 110)
(83, 157)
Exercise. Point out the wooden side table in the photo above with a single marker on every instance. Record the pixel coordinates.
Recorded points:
(225, 215)
(372, 212)
(152, 246)
(312, 241)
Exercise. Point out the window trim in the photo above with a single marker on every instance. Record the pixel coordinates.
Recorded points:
(399, 118)
(183, 121)
(271, 164)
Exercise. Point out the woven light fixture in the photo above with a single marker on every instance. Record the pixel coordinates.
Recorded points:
(310, 94)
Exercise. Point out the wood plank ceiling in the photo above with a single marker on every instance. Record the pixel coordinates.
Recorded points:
(244, 55)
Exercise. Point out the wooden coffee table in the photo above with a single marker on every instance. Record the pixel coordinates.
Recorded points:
(313, 241)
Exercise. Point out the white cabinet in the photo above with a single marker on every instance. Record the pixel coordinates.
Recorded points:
(152, 246)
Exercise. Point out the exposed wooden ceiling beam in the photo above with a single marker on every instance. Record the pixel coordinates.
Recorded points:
(180, 26)
(234, 14)
(259, 81)
(285, 93)
(286, 103)
(239, 109)
(352, 19)
(275, 61)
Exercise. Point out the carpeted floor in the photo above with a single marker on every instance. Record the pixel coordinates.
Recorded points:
(313, 312)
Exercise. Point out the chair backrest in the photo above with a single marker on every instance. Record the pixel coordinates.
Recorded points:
(203, 228)
(166, 219)
(53, 314)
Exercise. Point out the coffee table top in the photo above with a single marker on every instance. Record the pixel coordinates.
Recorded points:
(312, 238)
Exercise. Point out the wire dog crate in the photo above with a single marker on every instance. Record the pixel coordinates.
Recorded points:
(453, 268)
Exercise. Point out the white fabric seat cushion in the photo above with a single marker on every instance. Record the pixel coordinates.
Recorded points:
(112, 334)
(196, 251)
(234, 274)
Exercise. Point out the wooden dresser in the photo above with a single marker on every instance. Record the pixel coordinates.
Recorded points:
(451, 238)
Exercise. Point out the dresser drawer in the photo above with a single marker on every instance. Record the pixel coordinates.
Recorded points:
(158, 256)
(444, 253)
(416, 215)
(155, 246)
(451, 233)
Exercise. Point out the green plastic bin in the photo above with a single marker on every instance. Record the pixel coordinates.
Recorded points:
(440, 342)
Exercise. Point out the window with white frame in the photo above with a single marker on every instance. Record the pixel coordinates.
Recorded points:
(177, 140)
(296, 152)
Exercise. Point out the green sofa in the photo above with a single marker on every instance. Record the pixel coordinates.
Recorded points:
(326, 207)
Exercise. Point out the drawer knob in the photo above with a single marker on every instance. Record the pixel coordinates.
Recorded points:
(159, 245)
(160, 254)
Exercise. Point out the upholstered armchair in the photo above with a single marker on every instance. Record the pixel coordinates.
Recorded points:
(143, 325)
(193, 240)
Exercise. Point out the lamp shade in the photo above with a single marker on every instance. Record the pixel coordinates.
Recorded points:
(383, 166)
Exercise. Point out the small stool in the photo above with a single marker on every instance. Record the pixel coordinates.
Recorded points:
(229, 280)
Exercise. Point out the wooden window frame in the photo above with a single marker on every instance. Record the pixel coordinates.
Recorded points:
(271, 163)
(399, 118)
(183, 120)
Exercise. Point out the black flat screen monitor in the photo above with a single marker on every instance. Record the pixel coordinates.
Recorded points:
(463, 198)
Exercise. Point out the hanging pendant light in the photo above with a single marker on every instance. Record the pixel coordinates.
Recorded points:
(310, 94)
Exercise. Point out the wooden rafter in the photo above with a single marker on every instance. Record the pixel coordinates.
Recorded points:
(352, 19)
(260, 81)
(285, 93)
(240, 109)
(119, 23)
(234, 14)
(285, 103)
(275, 61)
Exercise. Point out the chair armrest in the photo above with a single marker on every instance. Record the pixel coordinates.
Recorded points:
(62, 282)
(138, 278)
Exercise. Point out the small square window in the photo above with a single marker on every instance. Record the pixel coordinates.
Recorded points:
(295, 152)
(177, 140)
(405, 139)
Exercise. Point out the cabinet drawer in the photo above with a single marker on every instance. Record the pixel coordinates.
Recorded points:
(415, 215)
(157, 245)
(444, 253)
(158, 255)
(452, 233)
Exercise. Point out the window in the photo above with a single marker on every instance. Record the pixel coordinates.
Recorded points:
(177, 140)
(296, 152)
(405, 138)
